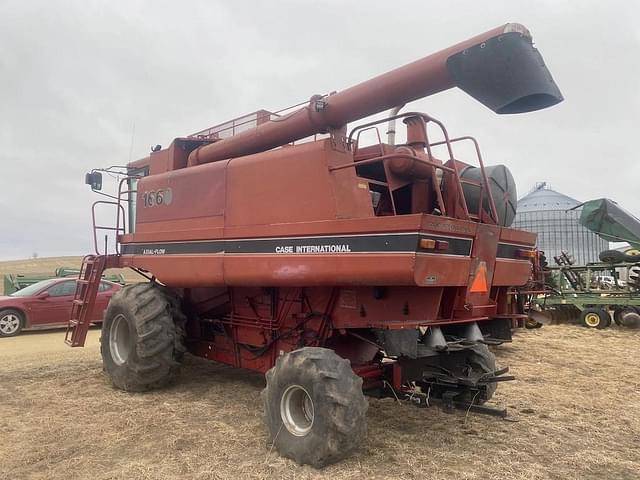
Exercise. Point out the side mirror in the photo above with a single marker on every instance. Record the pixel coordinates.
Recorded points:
(94, 179)
(43, 295)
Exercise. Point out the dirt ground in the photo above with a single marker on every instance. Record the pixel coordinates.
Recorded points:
(577, 402)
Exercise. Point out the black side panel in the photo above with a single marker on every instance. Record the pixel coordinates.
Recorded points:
(506, 74)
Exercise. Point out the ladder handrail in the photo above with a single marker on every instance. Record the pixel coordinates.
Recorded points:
(117, 228)
(452, 159)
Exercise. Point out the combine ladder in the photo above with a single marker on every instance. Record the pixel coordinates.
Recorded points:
(84, 300)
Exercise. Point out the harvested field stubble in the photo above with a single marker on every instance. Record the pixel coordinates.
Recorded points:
(577, 399)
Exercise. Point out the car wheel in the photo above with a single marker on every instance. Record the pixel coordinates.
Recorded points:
(10, 323)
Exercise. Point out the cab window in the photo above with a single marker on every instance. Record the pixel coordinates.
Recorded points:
(132, 184)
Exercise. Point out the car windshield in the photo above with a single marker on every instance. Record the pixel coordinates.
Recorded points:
(33, 289)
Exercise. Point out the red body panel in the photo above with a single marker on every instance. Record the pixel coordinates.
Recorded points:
(259, 242)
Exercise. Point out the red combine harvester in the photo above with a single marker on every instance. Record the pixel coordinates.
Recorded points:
(339, 270)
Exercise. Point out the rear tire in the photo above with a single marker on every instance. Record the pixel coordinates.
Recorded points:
(142, 340)
(595, 318)
(314, 407)
(11, 322)
(469, 366)
(480, 360)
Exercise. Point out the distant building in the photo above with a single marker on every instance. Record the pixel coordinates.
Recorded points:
(547, 213)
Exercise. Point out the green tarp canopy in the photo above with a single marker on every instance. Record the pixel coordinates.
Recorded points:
(610, 221)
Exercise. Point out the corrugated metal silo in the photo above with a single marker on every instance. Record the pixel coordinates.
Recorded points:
(547, 213)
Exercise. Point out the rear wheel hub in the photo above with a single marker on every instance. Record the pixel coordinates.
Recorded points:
(296, 410)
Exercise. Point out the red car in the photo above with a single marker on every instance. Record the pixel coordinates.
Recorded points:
(47, 304)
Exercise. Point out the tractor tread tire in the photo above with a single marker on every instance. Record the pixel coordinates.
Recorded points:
(157, 327)
(339, 423)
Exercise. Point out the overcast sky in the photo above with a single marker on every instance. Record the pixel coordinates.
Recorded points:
(79, 80)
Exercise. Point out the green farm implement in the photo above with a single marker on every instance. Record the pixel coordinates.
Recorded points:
(14, 282)
(595, 294)
(592, 294)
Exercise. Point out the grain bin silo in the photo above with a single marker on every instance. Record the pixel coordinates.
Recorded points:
(549, 214)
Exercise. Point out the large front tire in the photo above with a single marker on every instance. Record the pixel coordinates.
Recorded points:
(315, 410)
(142, 341)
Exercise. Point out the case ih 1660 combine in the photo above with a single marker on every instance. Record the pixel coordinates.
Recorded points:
(338, 270)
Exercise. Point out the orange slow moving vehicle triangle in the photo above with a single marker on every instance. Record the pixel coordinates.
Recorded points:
(479, 284)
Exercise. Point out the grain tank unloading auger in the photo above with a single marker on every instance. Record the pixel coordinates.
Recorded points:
(335, 268)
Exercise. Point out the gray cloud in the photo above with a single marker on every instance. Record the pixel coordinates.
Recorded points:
(76, 77)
